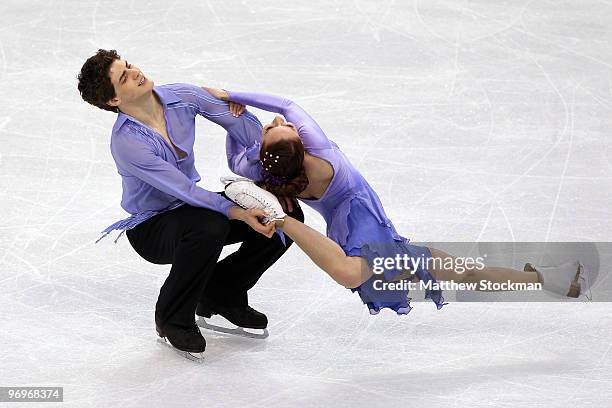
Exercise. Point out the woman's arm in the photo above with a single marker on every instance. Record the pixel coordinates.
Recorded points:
(243, 160)
(348, 271)
(311, 134)
(243, 128)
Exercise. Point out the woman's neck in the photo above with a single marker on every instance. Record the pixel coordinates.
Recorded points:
(319, 173)
(313, 167)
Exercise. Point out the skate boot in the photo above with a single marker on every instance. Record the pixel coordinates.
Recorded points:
(187, 341)
(244, 317)
(570, 279)
(248, 195)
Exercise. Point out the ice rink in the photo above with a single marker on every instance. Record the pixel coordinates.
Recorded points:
(501, 110)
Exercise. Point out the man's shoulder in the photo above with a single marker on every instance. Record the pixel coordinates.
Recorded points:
(124, 125)
(177, 86)
(120, 125)
(181, 93)
(180, 88)
(129, 143)
(126, 134)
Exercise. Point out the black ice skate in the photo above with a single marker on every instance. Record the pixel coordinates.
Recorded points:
(187, 341)
(244, 317)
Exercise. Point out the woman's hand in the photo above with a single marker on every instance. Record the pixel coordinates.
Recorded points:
(217, 93)
(235, 108)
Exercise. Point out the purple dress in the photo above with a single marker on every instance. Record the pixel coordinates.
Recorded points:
(352, 210)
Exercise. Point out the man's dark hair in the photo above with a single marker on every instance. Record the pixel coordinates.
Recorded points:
(95, 85)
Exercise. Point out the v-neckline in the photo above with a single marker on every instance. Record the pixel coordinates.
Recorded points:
(173, 147)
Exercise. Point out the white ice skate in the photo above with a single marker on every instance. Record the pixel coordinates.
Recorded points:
(248, 195)
(569, 279)
(230, 179)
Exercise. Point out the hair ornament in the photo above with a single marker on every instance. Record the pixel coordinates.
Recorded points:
(271, 178)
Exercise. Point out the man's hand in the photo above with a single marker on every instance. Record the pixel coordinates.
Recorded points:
(252, 217)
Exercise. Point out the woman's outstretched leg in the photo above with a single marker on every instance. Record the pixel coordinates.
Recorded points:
(443, 270)
(348, 271)
(352, 271)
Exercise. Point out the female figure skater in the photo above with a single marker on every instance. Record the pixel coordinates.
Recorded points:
(297, 160)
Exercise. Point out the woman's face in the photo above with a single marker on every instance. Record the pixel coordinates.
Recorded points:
(278, 130)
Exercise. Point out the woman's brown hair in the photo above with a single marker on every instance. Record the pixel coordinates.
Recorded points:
(283, 168)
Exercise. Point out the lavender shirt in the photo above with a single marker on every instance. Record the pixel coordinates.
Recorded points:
(154, 178)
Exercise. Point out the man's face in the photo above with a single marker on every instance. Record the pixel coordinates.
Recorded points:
(129, 82)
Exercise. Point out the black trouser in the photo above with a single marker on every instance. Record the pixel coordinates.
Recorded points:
(191, 239)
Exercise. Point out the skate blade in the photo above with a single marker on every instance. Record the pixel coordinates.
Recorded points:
(581, 285)
(236, 331)
(585, 281)
(196, 357)
(230, 179)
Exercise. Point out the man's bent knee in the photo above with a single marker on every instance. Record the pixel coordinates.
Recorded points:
(211, 225)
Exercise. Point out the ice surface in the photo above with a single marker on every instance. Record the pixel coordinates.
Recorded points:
(474, 120)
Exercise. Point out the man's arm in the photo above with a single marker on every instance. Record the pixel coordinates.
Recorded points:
(139, 159)
(243, 132)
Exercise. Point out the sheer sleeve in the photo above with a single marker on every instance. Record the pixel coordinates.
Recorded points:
(312, 135)
(243, 133)
(140, 159)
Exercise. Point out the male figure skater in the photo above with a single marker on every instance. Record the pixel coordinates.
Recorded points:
(173, 220)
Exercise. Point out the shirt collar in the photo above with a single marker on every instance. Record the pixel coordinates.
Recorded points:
(166, 96)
